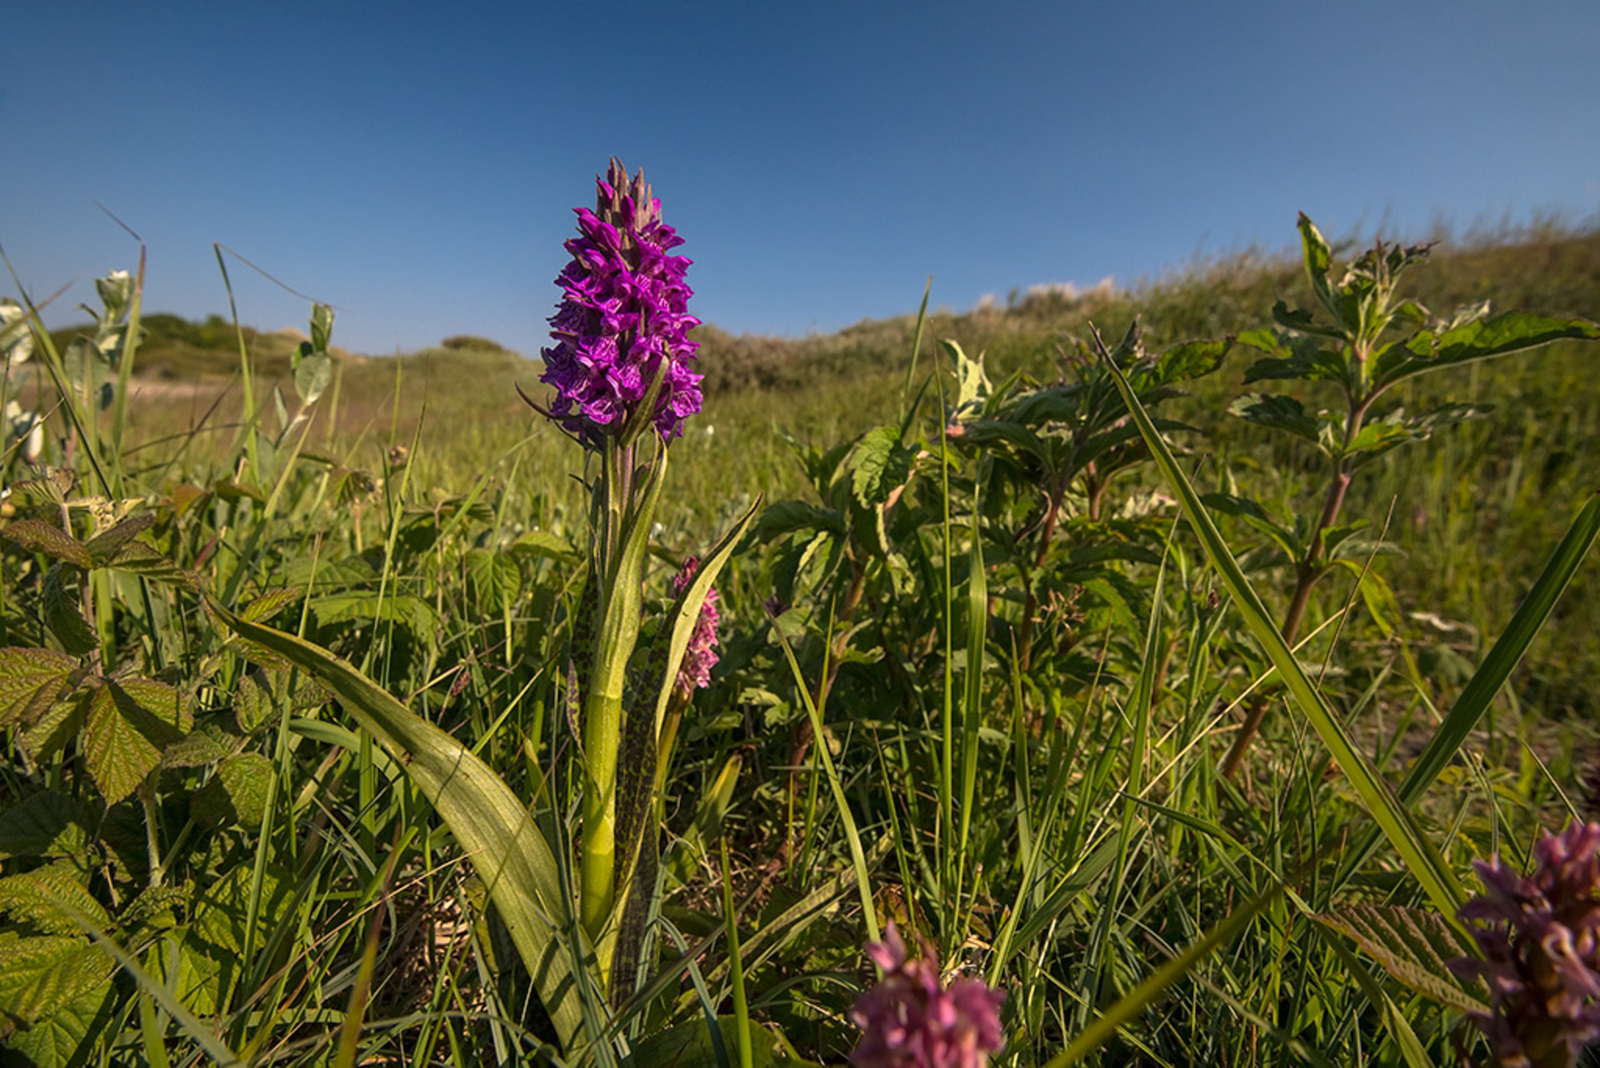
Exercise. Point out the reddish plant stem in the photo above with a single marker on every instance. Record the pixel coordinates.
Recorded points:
(1307, 571)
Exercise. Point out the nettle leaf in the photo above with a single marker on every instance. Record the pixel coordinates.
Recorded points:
(40, 974)
(46, 824)
(46, 898)
(543, 545)
(236, 795)
(130, 723)
(1475, 340)
(1302, 358)
(62, 613)
(329, 574)
(31, 680)
(103, 547)
(1278, 413)
(1191, 360)
(880, 465)
(495, 578)
(1413, 945)
(54, 542)
(786, 517)
(367, 607)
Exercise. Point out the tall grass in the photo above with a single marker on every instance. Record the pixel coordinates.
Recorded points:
(932, 707)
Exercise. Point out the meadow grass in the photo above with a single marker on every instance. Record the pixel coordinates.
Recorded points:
(932, 707)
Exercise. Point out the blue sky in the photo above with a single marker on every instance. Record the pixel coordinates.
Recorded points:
(415, 164)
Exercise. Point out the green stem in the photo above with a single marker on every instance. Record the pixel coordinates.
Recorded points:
(623, 512)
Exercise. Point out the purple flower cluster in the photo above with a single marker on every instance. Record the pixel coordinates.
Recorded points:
(910, 1019)
(1540, 939)
(624, 314)
(701, 655)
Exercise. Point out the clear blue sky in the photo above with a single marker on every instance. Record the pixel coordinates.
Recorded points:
(415, 164)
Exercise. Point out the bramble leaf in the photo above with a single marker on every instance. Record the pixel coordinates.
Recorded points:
(40, 974)
(494, 577)
(237, 794)
(45, 824)
(52, 541)
(62, 614)
(130, 722)
(137, 558)
(36, 899)
(31, 680)
(103, 547)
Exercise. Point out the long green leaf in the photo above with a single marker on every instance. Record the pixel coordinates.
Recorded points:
(490, 824)
(1392, 817)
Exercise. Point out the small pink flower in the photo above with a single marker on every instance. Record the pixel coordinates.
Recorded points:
(911, 1020)
(1540, 939)
(701, 655)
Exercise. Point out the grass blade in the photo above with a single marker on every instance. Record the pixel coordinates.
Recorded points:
(487, 820)
(1393, 818)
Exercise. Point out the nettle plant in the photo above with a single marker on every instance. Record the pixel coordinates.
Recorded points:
(1364, 339)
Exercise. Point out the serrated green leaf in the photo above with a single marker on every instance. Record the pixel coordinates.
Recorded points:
(1474, 340)
(57, 1041)
(35, 898)
(1278, 413)
(31, 680)
(879, 465)
(62, 613)
(40, 974)
(58, 726)
(206, 744)
(236, 795)
(1413, 945)
(253, 704)
(103, 547)
(786, 517)
(495, 578)
(137, 558)
(1191, 360)
(130, 722)
(54, 542)
(366, 607)
(45, 824)
(541, 544)
(269, 604)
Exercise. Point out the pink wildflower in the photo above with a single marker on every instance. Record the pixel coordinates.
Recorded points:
(701, 655)
(1540, 939)
(911, 1020)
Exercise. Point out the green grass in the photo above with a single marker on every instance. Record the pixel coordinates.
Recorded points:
(280, 888)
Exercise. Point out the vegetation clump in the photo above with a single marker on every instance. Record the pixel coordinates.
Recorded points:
(1166, 697)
